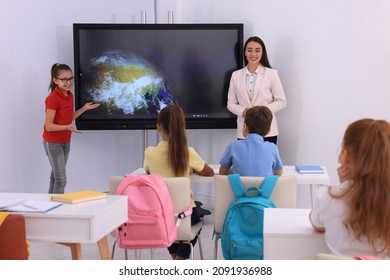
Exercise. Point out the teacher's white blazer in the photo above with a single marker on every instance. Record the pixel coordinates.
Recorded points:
(268, 92)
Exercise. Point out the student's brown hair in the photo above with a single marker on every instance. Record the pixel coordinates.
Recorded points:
(171, 120)
(258, 120)
(367, 142)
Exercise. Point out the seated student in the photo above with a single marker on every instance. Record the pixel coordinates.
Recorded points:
(173, 158)
(253, 156)
(354, 215)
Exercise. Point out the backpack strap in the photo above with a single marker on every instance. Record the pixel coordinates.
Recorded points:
(236, 185)
(180, 216)
(268, 185)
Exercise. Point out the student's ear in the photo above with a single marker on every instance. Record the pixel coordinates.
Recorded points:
(345, 158)
(245, 129)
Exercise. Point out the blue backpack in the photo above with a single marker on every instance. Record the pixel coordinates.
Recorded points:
(242, 236)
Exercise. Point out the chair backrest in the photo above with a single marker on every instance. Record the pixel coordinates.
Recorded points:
(113, 183)
(284, 195)
(179, 189)
(13, 244)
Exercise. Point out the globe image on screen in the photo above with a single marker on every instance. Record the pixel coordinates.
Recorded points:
(127, 83)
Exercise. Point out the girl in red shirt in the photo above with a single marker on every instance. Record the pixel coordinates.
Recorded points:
(58, 124)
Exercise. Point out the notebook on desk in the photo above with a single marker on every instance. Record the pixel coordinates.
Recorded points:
(309, 169)
(28, 206)
(79, 196)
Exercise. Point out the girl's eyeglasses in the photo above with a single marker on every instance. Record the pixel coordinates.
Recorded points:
(65, 80)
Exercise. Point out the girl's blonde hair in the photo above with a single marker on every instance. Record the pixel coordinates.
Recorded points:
(171, 120)
(368, 198)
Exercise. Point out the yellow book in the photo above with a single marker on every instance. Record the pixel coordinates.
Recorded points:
(80, 196)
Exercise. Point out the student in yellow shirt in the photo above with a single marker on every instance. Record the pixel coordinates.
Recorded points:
(173, 158)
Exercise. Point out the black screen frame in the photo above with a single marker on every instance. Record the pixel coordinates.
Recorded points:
(149, 122)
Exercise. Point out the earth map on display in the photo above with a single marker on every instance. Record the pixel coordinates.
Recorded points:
(127, 84)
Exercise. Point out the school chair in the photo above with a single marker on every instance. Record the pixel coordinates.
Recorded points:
(284, 195)
(13, 243)
(179, 189)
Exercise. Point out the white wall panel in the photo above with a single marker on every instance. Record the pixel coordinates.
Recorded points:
(332, 57)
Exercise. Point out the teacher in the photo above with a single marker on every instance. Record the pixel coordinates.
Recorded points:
(254, 85)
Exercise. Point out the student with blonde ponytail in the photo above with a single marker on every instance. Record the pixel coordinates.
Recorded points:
(173, 158)
(355, 216)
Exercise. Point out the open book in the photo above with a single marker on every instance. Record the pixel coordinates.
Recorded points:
(28, 206)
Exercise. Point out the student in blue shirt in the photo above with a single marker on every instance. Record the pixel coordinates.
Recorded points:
(253, 156)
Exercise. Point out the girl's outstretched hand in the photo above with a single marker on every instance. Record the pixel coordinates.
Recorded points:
(73, 129)
(91, 105)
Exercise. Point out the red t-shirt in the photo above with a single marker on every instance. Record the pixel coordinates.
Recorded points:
(63, 105)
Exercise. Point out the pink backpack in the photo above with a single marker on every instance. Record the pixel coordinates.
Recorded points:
(151, 219)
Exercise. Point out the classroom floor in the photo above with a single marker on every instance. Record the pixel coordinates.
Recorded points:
(54, 251)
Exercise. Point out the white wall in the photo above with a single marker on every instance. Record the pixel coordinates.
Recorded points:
(332, 57)
(34, 35)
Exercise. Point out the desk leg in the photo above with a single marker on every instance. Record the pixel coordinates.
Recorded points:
(75, 249)
(313, 188)
(104, 249)
(311, 195)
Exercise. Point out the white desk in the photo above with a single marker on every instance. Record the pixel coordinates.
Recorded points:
(288, 170)
(307, 179)
(72, 224)
(288, 235)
